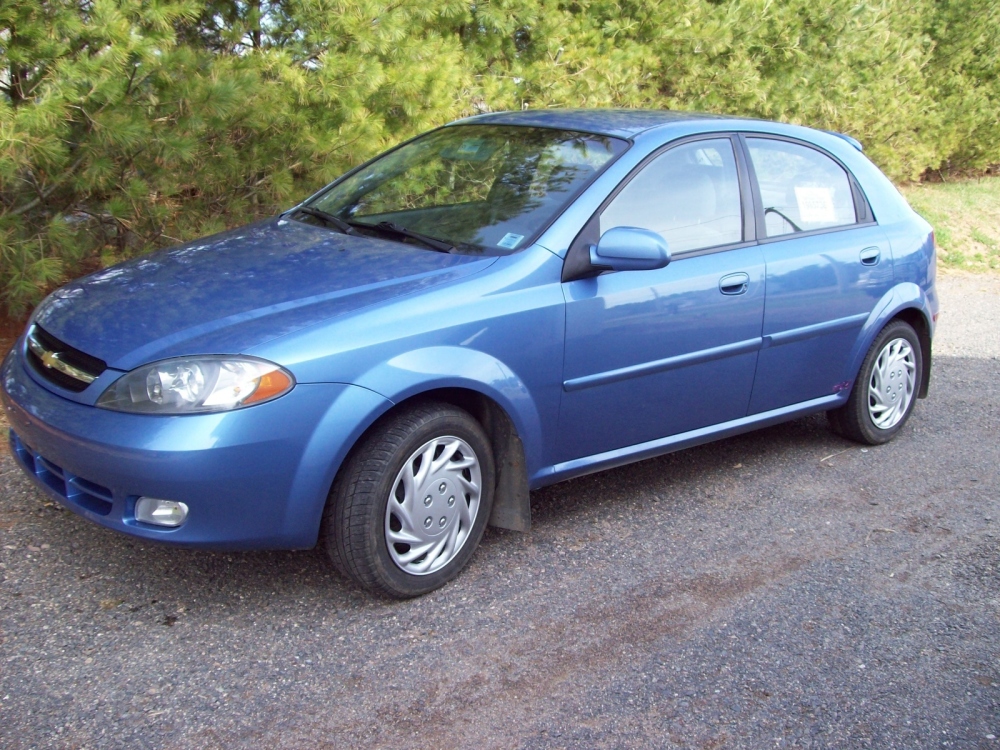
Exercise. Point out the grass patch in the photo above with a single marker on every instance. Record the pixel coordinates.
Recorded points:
(966, 219)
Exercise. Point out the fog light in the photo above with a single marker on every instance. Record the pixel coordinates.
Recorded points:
(160, 512)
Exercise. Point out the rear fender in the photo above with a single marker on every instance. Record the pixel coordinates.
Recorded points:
(902, 300)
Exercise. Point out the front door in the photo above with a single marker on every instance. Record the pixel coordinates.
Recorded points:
(651, 354)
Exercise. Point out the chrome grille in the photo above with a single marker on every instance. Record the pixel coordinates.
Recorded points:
(60, 363)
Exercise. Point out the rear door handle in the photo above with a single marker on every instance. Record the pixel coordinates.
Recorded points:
(734, 283)
(870, 256)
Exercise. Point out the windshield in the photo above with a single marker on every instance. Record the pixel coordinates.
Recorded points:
(478, 188)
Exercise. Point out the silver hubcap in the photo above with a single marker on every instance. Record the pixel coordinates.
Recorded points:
(892, 383)
(433, 505)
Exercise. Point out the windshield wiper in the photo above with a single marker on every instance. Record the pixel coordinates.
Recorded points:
(387, 226)
(327, 218)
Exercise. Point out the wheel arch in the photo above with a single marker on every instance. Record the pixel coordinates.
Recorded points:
(486, 388)
(906, 302)
(915, 318)
(511, 499)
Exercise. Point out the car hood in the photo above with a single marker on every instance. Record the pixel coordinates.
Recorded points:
(227, 293)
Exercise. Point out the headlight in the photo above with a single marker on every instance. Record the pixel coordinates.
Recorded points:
(189, 385)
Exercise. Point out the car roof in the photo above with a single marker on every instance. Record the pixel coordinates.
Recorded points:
(621, 123)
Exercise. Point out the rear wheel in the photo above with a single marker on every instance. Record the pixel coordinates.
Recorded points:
(410, 505)
(886, 389)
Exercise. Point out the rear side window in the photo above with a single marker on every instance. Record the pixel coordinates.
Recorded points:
(690, 195)
(801, 188)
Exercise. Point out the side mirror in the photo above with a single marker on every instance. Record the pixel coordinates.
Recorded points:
(629, 249)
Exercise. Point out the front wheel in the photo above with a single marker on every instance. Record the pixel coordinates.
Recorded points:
(411, 503)
(886, 389)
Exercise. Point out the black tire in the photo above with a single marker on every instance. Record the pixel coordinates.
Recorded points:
(853, 420)
(355, 526)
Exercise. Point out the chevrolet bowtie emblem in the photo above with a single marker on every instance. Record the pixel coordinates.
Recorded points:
(49, 359)
(52, 361)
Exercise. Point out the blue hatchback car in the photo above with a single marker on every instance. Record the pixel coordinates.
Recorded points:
(502, 303)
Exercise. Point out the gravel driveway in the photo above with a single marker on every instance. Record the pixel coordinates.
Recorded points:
(780, 589)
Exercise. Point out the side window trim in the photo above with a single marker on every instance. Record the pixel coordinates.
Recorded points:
(862, 208)
(744, 170)
(760, 232)
(576, 265)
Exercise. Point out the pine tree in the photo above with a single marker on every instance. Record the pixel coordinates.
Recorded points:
(129, 125)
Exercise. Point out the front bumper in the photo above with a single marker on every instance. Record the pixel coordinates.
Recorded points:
(254, 478)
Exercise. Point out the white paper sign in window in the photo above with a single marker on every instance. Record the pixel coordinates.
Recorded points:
(510, 240)
(815, 205)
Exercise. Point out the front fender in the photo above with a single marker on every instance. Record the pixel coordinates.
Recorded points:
(349, 412)
(421, 370)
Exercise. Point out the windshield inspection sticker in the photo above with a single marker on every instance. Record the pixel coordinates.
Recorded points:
(815, 204)
(510, 241)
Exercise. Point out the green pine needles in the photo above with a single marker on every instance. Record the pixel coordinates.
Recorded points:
(129, 125)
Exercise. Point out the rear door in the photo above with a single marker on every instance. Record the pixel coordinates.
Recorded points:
(828, 263)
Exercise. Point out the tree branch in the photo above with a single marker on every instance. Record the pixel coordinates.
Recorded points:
(47, 191)
(131, 79)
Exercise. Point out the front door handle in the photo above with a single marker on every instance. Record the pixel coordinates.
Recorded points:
(734, 283)
(870, 256)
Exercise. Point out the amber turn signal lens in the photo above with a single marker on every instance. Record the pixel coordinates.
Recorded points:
(273, 384)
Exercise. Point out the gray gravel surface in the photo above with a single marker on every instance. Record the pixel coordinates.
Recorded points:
(969, 325)
(781, 589)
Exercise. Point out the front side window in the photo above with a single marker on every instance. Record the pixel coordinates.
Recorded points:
(690, 195)
(480, 188)
(801, 188)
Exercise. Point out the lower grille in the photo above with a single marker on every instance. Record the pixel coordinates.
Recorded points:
(77, 490)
